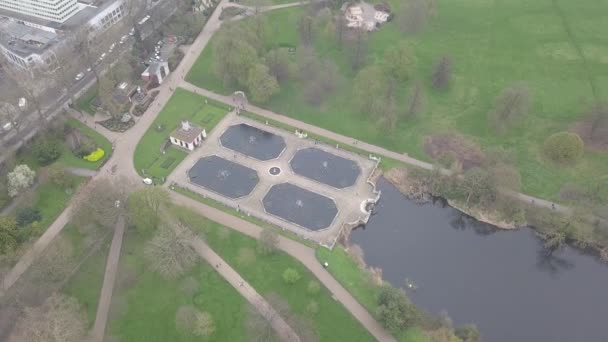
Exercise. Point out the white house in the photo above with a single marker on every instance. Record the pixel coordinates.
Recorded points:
(188, 136)
(156, 72)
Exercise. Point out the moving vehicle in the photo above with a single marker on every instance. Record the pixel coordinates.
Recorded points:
(79, 76)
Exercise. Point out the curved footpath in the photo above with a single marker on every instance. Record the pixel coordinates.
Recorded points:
(302, 253)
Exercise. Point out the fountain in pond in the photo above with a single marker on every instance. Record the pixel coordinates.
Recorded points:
(299, 203)
(252, 140)
(325, 164)
(223, 174)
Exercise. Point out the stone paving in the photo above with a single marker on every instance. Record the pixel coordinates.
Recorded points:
(349, 200)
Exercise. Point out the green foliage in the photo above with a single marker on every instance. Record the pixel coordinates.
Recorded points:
(234, 57)
(313, 287)
(312, 308)
(564, 147)
(369, 91)
(145, 206)
(261, 84)
(291, 276)
(46, 150)
(28, 215)
(399, 61)
(95, 155)
(59, 176)
(8, 233)
(395, 311)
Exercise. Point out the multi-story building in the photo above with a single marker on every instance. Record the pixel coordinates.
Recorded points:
(53, 10)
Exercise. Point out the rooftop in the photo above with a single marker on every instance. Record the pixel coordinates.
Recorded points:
(25, 40)
(187, 132)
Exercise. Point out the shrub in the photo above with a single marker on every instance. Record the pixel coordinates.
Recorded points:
(46, 151)
(20, 179)
(28, 215)
(59, 176)
(291, 276)
(95, 156)
(314, 287)
(267, 244)
(564, 147)
(312, 308)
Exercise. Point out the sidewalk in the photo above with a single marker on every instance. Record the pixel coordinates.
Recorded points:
(302, 253)
(264, 308)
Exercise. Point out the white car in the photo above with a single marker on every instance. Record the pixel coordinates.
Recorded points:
(89, 69)
(132, 32)
(123, 39)
(79, 76)
(147, 181)
(103, 55)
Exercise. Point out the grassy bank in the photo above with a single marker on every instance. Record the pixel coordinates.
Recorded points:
(552, 46)
(264, 272)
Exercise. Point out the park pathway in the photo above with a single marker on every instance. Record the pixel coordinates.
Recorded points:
(284, 331)
(105, 297)
(302, 253)
(342, 139)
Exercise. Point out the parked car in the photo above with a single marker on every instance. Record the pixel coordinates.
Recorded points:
(103, 55)
(123, 39)
(79, 76)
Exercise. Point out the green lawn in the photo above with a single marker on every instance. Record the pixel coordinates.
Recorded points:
(69, 159)
(332, 323)
(492, 45)
(183, 105)
(51, 200)
(144, 305)
(359, 283)
(85, 285)
(84, 103)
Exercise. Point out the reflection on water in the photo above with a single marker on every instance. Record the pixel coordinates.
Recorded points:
(503, 281)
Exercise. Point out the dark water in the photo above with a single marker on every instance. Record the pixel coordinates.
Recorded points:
(325, 167)
(500, 280)
(253, 142)
(223, 176)
(300, 206)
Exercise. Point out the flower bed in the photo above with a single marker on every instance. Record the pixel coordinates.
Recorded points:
(95, 155)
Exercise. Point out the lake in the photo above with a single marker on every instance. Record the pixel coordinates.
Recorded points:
(503, 281)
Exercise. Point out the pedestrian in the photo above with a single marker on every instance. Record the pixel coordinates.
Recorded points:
(241, 284)
(553, 206)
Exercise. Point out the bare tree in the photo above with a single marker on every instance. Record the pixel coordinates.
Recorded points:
(268, 242)
(598, 125)
(414, 16)
(358, 49)
(101, 203)
(30, 83)
(170, 252)
(145, 207)
(417, 101)
(60, 318)
(305, 28)
(510, 107)
(278, 64)
(442, 73)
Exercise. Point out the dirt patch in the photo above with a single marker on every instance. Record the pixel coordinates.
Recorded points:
(464, 151)
(593, 139)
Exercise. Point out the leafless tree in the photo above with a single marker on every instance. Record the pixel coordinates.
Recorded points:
(30, 84)
(145, 207)
(278, 64)
(60, 318)
(101, 203)
(510, 107)
(268, 242)
(416, 101)
(170, 252)
(358, 49)
(442, 73)
(415, 15)
(305, 27)
(597, 114)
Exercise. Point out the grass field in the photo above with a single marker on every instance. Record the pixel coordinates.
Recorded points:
(332, 323)
(359, 283)
(183, 105)
(556, 47)
(144, 304)
(51, 200)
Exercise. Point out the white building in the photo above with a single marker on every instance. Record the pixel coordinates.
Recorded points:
(108, 16)
(188, 136)
(53, 10)
(26, 46)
